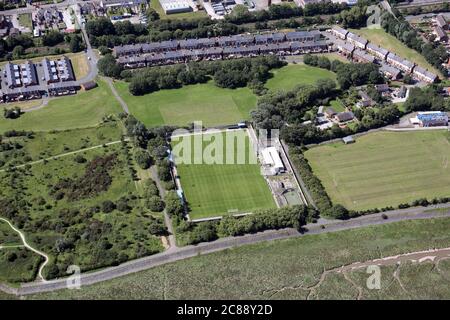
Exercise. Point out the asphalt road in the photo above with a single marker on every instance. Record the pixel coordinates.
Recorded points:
(176, 254)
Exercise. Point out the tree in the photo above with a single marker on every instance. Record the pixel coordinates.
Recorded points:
(18, 52)
(80, 159)
(108, 206)
(12, 113)
(155, 204)
(143, 159)
(108, 66)
(338, 212)
(104, 50)
(52, 38)
(151, 14)
(76, 43)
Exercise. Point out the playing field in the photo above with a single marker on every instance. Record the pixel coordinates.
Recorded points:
(217, 189)
(294, 74)
(384, 168)
(201, 102)
(390, 43)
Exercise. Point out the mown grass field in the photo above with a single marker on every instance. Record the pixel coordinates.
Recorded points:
(201, 102)
(283, 269)
(85, 109)
(215, 189)
(208, 103)
(390, 43)
(289, 76)
(384, 168)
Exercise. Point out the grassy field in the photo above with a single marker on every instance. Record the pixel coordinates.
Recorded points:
(291, 75)
(44, 145)
(205, 102)
(384, 168)
(25, 20)
(208, 103)
(284, 269)
(337, 105)
(187, 15)
(124, 229)
(214, 189)
(390, 43)
(85, 109)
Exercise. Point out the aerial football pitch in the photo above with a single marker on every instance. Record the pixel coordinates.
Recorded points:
(213, 190)
(384, 168)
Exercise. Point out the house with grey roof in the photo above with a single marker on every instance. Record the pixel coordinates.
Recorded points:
(402, 64)
(424, 75)
(344, 47)
(390, 72)
(339, 32)
(28, 74)
(441, 22)
(362, 56)
(377, 51)
(356, 40)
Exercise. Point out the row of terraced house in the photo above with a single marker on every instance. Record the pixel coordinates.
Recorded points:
(180, 51)
(361, 50)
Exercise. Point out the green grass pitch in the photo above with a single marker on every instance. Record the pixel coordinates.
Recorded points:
(217, 189)
(384, 168)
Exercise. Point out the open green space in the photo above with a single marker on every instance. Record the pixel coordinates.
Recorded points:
(285, 269)
(60, 204)
(8, 237)
(390, 43)
(85, 109)
(217, 189)
(44, 145)
(201, 102)
(208, 103)
(18, 265)
(287, 77)
(384, 168)
(337, 105)
(25, 20)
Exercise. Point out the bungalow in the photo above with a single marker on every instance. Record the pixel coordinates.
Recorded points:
(441, 22)
(377, 51)
(424, 75)
(330, 113)
(366, 100)
(361, 56)
(382, 87)
(343, 117)
(339, 32)
(358, 41)
(441, 35)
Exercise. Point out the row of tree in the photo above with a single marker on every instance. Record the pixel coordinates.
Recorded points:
(252, 72)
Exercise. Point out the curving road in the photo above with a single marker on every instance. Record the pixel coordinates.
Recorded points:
(175, 254)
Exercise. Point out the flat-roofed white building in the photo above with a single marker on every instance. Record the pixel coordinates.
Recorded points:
(272, 158)
(175, 6)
